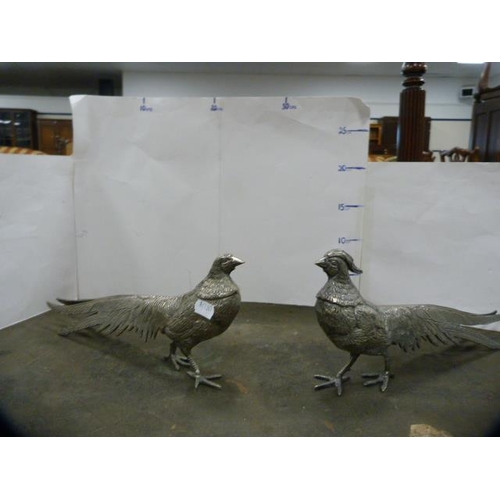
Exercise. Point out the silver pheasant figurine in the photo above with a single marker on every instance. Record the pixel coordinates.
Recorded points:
(359, 327)
(188, 319)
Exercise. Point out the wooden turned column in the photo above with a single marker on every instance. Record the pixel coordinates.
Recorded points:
(411, 127)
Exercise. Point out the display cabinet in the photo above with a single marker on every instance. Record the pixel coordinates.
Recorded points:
(387, 135)
(18, 128)
(485, 126)
(375, 134)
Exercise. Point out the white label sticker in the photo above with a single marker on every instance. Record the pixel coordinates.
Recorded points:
(204, 309)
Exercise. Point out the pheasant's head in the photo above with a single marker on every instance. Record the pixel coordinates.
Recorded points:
(337, 263)
(226, 263)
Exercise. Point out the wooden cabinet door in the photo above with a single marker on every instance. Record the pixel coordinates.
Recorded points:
(55, 135)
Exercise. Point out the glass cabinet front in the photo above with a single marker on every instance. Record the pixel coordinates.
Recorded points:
(18, 128)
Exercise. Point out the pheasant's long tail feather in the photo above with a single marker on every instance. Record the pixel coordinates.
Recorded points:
(68, 302)
(62, 308)
(70, 311)
(409, 324)
(117, 314)
(85, 307)
(476, 335)
(458, 317)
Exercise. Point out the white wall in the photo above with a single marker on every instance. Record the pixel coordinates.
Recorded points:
(50, 106)
(381, 94)
(446, 134)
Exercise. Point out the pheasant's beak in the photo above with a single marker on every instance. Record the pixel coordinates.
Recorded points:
(321, 263)
(237, 262)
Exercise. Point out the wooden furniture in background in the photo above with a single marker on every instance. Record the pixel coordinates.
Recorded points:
(55, 136)
(485, 126)
(375, 136)
(18, 128)
(428, 156)
(411, 130)
(460, 154)
(389, 136)
(381, 157)
(13, 150)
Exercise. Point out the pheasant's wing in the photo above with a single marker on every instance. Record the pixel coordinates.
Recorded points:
(146, 315)
(183, 320)
(408, 325)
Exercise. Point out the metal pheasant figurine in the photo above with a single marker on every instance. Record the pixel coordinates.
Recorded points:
(188, 319)
(359, 327)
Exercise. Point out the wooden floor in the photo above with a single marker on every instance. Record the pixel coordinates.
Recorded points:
(92, 385)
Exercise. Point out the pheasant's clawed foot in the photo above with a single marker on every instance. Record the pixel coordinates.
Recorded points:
(177, 361)
(331, 382)
(378, 378)
(204, 379)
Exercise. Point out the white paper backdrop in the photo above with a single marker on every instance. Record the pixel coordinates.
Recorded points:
(37, 234)
(285, 172)
(146, 194)
(432, 234)
(164, 185)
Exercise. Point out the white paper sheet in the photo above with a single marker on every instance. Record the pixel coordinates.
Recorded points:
(37, 234)
(147, 194)
(432, 235)
(164, 185)
(286, 171)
